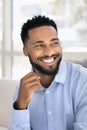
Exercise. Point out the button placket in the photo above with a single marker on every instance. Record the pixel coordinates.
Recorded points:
(49, 106)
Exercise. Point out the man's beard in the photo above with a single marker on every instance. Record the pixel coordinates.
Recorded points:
(43, 70)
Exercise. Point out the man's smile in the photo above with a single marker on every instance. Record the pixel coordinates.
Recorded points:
(49, 60)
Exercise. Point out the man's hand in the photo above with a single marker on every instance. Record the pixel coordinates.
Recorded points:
(28, 84)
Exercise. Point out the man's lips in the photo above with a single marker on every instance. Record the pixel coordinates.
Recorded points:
(49, 60)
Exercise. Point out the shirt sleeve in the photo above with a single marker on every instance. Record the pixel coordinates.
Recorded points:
(20, 119)
(81, 104)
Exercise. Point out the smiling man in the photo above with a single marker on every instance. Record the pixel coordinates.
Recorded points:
(53, 96)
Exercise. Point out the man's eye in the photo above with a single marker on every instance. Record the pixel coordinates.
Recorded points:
(39, 45)
(55, 44)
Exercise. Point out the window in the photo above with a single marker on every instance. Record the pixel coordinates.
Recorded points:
(0, 38)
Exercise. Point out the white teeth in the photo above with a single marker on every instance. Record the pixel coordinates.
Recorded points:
(49, 60)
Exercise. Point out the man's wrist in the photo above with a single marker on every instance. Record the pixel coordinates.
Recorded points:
(16, 106)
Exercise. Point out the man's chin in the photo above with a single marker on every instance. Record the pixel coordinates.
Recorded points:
(50, 71)
(47, 72)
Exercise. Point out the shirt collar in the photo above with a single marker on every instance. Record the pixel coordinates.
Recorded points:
(61, 74)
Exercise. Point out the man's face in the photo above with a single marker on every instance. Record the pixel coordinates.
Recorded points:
(44, 50)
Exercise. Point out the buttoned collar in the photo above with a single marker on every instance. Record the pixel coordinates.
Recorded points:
(60, 75)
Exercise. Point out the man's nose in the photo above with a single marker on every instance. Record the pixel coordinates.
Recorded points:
(48, 51)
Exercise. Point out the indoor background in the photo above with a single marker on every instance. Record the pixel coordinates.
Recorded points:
(71, 19)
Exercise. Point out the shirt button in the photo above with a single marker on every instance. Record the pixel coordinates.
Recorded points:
(47, 92)
(49, 112)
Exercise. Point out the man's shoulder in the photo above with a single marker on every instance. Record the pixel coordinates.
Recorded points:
(75, 68)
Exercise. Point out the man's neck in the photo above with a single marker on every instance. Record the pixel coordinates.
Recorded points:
(45, 80)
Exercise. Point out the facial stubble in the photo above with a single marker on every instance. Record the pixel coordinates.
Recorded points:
(42, 69)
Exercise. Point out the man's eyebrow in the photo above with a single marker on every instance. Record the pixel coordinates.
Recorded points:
(37, 42)
(41, 41)
(53, 39)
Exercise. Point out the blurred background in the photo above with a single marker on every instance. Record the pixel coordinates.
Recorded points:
(70, 17)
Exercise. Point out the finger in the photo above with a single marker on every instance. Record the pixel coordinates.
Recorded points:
(30, 74)
(37, 73)
(35, 87)
(31, 78)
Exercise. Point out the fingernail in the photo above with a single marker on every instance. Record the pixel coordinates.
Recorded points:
(39, 77)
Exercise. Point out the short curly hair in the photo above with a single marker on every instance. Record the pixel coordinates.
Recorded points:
(36, 21)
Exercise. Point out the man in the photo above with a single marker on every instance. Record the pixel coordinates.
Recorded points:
(53, 96)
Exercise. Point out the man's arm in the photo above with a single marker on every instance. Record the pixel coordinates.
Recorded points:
(81, 105)
(20, 119)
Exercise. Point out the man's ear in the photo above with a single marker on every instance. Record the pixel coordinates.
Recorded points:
(25, 51)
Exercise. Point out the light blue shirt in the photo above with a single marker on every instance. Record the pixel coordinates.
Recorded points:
(62, 106)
